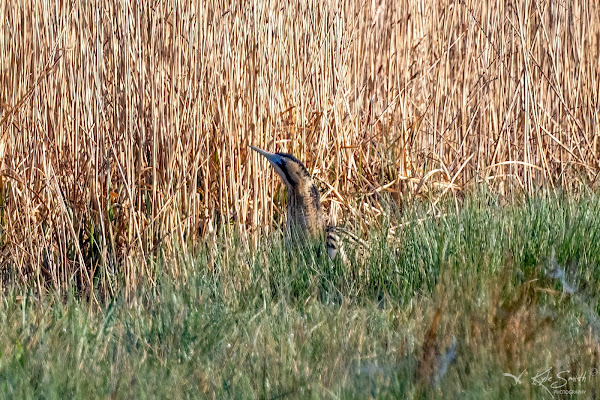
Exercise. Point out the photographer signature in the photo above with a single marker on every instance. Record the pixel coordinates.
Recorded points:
(549, 381)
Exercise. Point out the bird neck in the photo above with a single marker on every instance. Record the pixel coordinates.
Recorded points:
(304, 214)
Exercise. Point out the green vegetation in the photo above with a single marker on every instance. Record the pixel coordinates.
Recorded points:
(271, 324)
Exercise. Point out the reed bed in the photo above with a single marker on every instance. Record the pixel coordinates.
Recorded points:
(124, 125)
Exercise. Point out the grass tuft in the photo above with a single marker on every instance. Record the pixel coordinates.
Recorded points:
(481, 286)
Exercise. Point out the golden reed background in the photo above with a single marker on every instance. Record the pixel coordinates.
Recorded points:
(124, 125)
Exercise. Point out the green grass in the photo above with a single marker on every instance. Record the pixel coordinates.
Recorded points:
(271, 324)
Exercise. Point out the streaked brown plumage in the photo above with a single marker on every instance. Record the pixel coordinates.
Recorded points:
(304, 212)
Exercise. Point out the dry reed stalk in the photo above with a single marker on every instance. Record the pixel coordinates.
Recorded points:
(124, 126)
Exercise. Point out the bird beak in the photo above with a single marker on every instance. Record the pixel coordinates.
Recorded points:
(277, 162)
(273, 158)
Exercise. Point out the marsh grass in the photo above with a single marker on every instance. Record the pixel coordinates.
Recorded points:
(124, 125)
(272, 323)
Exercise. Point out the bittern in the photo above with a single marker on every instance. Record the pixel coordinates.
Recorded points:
(304, 218)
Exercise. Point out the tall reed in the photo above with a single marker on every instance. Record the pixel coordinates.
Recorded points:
(124, 125)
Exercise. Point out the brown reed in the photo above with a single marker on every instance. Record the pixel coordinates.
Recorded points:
(124, 125)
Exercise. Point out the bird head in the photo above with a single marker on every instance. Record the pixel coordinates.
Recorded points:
(291, 171)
